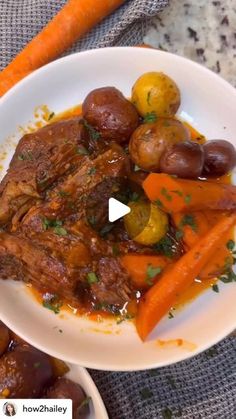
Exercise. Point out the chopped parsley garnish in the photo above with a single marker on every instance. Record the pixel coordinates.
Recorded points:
(150, 118)
(177, 192)
(52, 303)
(165, 193)
(93, 133)
(189, 219)
(134, 196)
(123, 318)
(230, 245)
(52, 114)
(82, 151)
(151, 273)
(27, 155)
(92, 171)
(63, 194)
(60, 231)
(55, 224)
(187, 199)
(165, 247)
(92, 278)
(215, 288)
(159, 203)
(179, 234)
(167, 413)
(146, 393)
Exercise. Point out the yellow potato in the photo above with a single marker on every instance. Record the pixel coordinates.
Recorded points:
(146, 224)
(156, 92)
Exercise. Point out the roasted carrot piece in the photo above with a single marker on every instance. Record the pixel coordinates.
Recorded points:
(75, 19)
(193, 225)
(159, 299)
(140, 266)
(179, 195)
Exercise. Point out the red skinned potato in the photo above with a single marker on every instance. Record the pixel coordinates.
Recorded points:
(149, 141)
(184, 160)
(67, 389)
(24, 373)
(220, 157)
(4, 338)
(110, 113)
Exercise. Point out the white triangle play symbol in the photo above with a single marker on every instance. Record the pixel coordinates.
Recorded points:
(116, 210)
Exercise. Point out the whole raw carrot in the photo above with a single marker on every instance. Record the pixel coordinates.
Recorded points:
(177, 195)
(143, 269)
(75, 19)
(159, 299)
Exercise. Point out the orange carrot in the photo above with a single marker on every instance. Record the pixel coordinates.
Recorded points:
(75, 19)
(177, 195)
(159, 299)
(194, 226)
(142, 268)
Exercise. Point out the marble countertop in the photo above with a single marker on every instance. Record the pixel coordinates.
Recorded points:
(204, 31)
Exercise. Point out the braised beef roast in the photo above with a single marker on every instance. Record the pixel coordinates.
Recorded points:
(45, 237)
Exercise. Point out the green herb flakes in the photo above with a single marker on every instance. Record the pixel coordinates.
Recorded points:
(92, 171)
(178, 192)
(92, 278)
(179, 234)
(187, 199)
(215, 288)
(170, 315)
(165, 247)
(152, 273)
(230, 245)
(63, 194)
(93, 133)
(53, 304)
(166, 194)
(189, 219)
(159, 203)
(146, 393)
(82, 151)
(60, 231)
(150, 118)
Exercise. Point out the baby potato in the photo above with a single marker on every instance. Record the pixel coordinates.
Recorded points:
(156, 92)
(149, 141)
(146, 223)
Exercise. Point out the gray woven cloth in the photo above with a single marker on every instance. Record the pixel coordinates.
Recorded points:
(204, 386)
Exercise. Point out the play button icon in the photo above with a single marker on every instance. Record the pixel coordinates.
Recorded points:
(116, 210)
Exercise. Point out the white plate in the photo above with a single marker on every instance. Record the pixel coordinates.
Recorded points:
(209, 103)
(81, 376)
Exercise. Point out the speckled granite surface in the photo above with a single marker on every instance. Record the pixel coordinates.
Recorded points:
(203, 30)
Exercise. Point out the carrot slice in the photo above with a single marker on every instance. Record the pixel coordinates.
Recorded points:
(138, 266)
(75, 19)
(193, 225)
(159, 299)
(178, 195)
